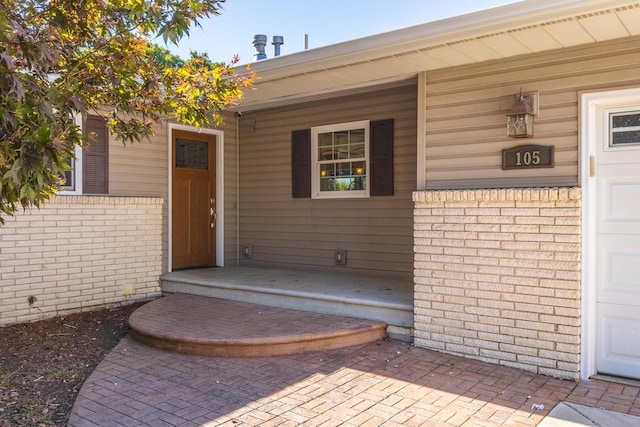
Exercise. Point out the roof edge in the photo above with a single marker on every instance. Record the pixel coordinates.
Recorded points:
(449, 30)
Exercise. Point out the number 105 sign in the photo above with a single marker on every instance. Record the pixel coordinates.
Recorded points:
(528, 157)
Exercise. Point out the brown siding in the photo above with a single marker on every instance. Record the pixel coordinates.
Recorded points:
(466, 113)
(230, 193)
(376, 232)
(139, 169)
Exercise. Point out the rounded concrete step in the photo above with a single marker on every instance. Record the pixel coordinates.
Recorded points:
(214, 327)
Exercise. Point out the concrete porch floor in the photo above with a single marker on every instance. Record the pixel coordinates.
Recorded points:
(381, 297)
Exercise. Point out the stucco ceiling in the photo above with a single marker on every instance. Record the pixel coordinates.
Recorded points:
(517, 29)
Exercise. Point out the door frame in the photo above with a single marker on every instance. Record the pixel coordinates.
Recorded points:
(219, 189)
(591, 133)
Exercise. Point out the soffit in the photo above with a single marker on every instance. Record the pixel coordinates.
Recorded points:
(522, 28)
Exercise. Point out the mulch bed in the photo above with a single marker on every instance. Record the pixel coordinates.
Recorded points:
(44, 364)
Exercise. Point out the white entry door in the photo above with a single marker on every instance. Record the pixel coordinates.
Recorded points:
(618, 242)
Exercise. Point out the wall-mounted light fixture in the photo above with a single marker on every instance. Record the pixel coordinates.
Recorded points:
(520, 117)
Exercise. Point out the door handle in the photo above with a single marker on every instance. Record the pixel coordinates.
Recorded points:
(213, 213)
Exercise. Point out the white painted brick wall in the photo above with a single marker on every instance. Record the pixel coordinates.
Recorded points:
(497, 276)
(76, 253)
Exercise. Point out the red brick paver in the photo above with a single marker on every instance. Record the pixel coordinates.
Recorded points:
(387, 383)
(607, 395)
(215, 327)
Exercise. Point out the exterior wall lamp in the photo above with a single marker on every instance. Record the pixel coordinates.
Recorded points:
(520, 117)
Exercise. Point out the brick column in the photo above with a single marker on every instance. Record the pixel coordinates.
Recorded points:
(497, 276)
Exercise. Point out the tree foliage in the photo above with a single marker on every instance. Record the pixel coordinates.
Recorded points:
(61, 59)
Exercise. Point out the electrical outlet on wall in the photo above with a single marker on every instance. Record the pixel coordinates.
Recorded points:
(247, 251)
(340, 257)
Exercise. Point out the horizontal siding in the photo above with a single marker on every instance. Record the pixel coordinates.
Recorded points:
(230, 191)
(376, 232)
(466, 113)
(140, 168)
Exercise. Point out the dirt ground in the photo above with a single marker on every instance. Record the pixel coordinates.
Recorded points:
(43, 364)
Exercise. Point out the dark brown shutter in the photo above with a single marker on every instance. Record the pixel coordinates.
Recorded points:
(301, 164)
(381, 157)
(95, 157)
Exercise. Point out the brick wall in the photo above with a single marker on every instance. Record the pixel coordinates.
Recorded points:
(497, 276)
(77, 253)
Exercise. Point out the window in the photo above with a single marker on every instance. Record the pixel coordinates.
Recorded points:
(352, 159)
(340, 160)
(90, 168)
(72, 179)
(624, 128)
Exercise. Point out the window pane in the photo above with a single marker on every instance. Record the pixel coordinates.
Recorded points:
(66, 181)
(629, 137)
(192, 154)
(341, 152)
(341, 145)
(344, 169)
(341, 138)
(327, 184)
(357, 136)
(344, 176)
(357, 151)
(67, 178)
(625, 128)
(327, 170)
(325, 140)
(626, 120)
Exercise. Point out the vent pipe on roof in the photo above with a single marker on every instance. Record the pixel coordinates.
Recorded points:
(259, 42)
(277, 42)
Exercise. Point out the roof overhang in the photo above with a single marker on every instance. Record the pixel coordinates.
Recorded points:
(517, 29)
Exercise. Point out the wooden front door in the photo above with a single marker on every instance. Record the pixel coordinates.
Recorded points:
(194, 200)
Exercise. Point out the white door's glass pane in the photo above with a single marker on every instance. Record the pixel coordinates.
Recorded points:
(624, 128)
(625, 138)
(625, 120)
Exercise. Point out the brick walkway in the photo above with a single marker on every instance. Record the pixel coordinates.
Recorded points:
(387, 383)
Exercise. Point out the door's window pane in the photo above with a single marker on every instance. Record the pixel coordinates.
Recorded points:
(629, 137)
(624, 128)
(192, 154)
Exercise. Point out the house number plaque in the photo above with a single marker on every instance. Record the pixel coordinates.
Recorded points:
(528, 157)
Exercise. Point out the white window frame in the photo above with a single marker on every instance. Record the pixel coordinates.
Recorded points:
(315, 163)
(77, 168)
